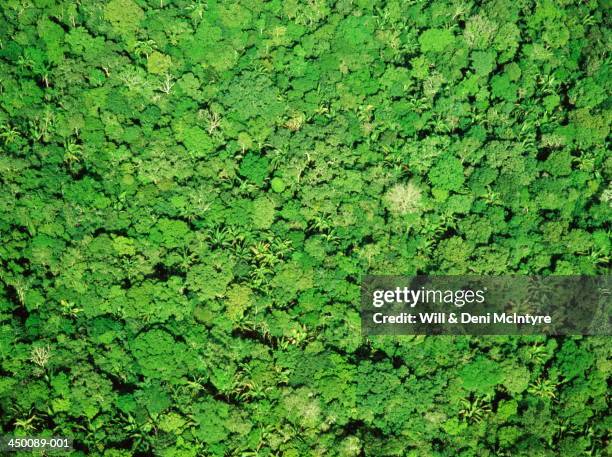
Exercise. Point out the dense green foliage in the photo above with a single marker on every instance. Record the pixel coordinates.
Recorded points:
(191, 191)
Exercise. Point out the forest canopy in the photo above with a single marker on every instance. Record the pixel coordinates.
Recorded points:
(192, 190)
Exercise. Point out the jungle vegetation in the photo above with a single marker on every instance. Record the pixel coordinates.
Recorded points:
(192, 190)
